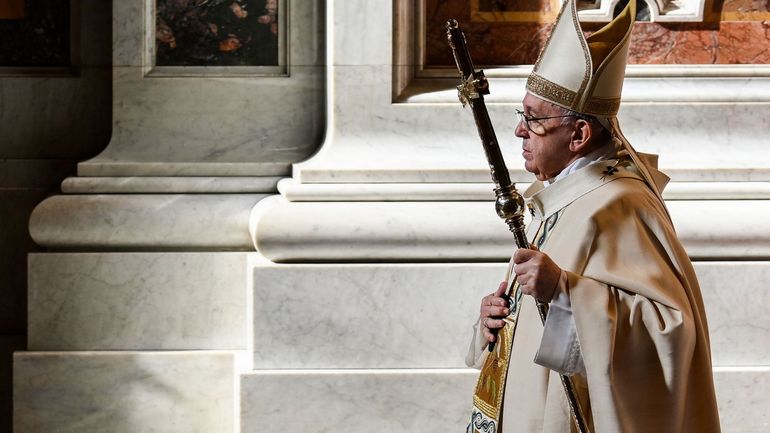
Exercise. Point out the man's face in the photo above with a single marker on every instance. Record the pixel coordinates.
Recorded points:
(547, 154)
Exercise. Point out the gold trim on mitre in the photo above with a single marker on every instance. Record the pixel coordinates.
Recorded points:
(584, 74)
(551, 91)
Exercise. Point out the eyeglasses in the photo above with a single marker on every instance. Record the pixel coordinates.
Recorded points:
(533, 123)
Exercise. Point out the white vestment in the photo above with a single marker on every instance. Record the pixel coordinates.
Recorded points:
(628, 321)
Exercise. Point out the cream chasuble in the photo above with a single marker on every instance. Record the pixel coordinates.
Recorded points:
(639, 321)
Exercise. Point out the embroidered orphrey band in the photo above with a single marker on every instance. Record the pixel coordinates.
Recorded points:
(602, 106)
(559, 95)
(551, 91)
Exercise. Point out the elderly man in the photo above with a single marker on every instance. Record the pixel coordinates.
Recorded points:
(626, 321)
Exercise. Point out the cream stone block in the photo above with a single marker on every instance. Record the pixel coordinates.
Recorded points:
(433, 139)
(408, 231)
(137, 301)
(169, 185)
(294, 191)
(688, 114)
(144, 221)
(420, 315)
(382, 401)
(361, 401)
(744, 403)
(367, 316)
(216, 121)
(736, 298)
(470, 231)
(124, 392)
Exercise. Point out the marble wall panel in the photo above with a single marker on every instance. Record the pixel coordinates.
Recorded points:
(385, 401)
(366, 401)
(470, 231)
(377, 141)
(736, 301)
(212, 121)
(137, 301)
(123, 392)
(372, 316)
(742, 398)
(420, 316)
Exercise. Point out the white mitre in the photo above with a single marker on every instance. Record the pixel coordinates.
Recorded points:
(585, 74)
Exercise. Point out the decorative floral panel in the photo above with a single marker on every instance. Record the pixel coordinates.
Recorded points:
(216, 33)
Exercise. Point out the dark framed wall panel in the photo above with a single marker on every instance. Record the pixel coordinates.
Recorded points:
(40, 37)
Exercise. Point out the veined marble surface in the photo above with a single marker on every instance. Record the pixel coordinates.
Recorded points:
(742, 398)
(395, 315)
(408, 231)
(123, 392)
(294, 191)
(372, 316)
(375, 140)
(469, 231)
(169, 185)
(381, 401)
(152, 221)
(707, 122)
(212, 125)
(137, 301)
(736, 301)
(362, 401)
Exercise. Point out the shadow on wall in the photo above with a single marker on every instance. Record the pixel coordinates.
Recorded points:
(55, 110)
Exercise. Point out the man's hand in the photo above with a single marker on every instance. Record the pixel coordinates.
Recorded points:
(537, 274)
(493, 308)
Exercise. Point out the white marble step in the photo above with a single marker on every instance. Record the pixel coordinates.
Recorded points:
(138, 301)
(420, 315)
(410, 400)
(124, 392)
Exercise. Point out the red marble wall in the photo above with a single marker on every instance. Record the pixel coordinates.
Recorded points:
(732, 32)
(11, 9)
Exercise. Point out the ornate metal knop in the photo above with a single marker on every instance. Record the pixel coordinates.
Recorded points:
(472, 88)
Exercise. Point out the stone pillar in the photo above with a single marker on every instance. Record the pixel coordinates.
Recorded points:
(139, 312)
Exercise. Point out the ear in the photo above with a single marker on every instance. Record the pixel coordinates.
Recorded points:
(582, 132)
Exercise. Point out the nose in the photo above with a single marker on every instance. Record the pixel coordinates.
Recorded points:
(521, 130)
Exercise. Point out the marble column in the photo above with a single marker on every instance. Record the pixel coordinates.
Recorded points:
(139, 310)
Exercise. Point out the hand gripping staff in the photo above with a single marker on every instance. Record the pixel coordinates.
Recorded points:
(510, 207)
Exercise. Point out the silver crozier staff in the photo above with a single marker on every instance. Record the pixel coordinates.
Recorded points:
(509, 204)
